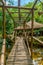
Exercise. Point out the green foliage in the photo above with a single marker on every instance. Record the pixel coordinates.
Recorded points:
(10, 2)
(30, 4)
(38, 18)
(9, 26)
(9, 22)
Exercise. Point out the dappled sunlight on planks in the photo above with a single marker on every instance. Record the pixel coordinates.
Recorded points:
(38, 56)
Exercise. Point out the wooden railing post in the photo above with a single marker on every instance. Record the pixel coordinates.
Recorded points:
(19, 11)
(32, 31)
(4, 36)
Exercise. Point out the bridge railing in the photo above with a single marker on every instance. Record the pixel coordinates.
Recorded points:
(39, 41)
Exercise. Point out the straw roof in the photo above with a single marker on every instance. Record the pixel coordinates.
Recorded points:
(28, 25)
(35, 24)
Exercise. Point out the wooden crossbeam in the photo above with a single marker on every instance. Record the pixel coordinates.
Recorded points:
(21, 17)
(20, 12)
(18, 7)
(40, 13)
(41, 42)
(17, 12)
(34, 4)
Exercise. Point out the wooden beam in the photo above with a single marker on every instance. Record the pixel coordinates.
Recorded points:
(13, 21)
(3, 53)
(18, 17)
(40, 13)
(20, 12)
(31, 9)
(4, 36)
(26, 8)
(17, 12)
(32, 31)
(39, 41)
(29, 50)
(10, 15)
(34, 4)
(20, 7)
(25, 29)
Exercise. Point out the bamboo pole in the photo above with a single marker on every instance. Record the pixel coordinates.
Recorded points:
(40, 13)
(39, 41)
(19, 11)
(32, 31)
(4, 37)
(10, 14)
(3, 53)
(26, 8)
(13, 22)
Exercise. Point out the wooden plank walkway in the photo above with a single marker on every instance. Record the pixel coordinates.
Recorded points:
(19, 54)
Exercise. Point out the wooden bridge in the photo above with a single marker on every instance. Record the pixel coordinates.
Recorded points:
(21, 54)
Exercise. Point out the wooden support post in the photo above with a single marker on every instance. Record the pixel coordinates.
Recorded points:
(24, 29)
(14, 30)
(19, 10)
(4, 37)
(3, 53)
(32, 31)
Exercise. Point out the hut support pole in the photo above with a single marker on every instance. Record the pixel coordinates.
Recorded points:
(4, 37)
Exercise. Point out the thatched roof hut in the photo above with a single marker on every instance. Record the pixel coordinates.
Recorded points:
(36, 25)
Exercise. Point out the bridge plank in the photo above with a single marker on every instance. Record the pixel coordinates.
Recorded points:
(18, 55)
